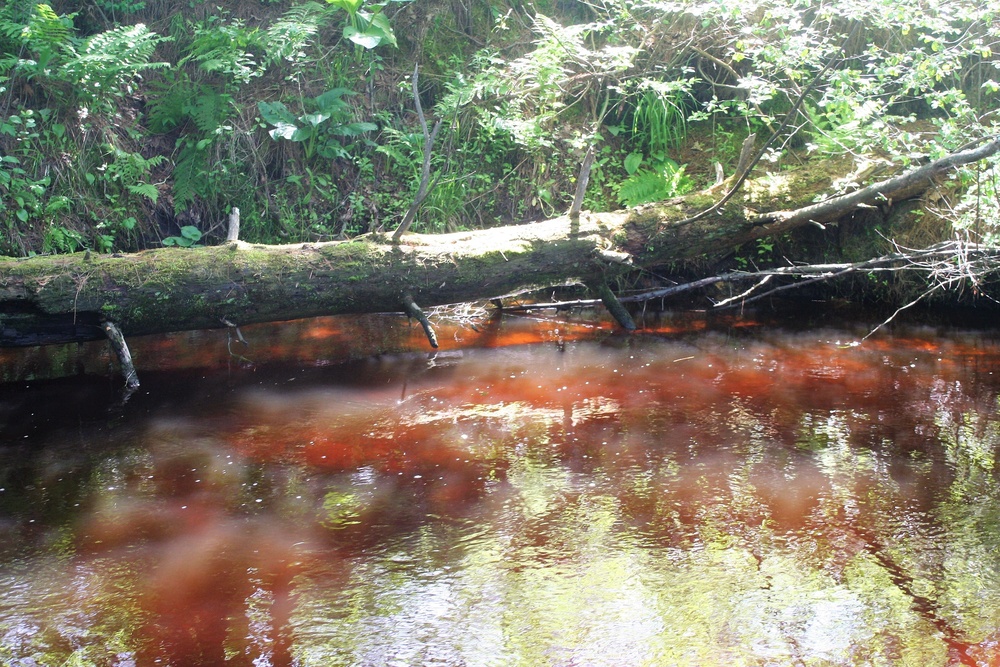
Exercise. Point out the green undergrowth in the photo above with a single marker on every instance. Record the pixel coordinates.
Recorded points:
(126, 126)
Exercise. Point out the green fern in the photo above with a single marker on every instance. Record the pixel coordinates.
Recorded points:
(166, 100)
(209, 109)
(41, 38)
(176, 100)
(146, 190)
(14, 17)
(289, 36)
(226, 47)
(93, 72)
(189, 174)
(46, 31)
(131, 167)
(131, 171)
(642, 187)
(108, 62)
(649, 185)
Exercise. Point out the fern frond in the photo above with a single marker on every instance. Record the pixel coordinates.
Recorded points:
(646, 186)
(289, 36)
(177, 100)
(188, 176)
(209, 109)
(109, 61)
(224, 49)
(166, 100)
(643, 187)
(47, 31)
(146, 190)
(13, 19)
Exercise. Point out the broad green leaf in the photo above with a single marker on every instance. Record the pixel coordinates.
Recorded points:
(349, 6)
(330, 100)
(275, 112)
(315, 119)
(353, 129)
(381, 22)
(632, 162)
(366, 39)
(332, 150)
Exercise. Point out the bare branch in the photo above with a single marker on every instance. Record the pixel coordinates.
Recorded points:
(425, 175)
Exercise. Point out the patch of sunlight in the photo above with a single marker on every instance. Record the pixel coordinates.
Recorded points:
(595, 407)
(513, 412)
(596, 613)
(540, 487)
(768, 187)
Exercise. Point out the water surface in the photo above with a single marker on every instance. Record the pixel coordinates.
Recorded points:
(541, 493)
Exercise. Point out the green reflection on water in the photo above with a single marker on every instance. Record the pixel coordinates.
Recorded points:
(535, 509)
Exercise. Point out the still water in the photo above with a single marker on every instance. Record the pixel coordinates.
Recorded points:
(542, 492)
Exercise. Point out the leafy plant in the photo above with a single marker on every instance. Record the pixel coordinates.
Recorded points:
(203, 114)
(131, 170)
(21, 194)
(225, 46)
(93, 72)
(318, 129)
(62, 239)
(662, 180)
(116, 8)
(366, 28)
(659, 122)
(190, 235)
(287, 39)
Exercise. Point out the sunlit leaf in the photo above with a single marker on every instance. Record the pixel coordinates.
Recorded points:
(349, 6)
(366, 39)
(287, 131)
(330, 100)
(353, 129)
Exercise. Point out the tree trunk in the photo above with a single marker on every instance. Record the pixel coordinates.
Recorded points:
(63, 298)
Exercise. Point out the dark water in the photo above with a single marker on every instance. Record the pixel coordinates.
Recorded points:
(696, 494)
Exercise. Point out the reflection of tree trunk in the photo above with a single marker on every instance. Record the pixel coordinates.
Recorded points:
(928, 608)
(65, 298)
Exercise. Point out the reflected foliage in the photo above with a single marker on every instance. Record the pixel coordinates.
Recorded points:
(719, 498)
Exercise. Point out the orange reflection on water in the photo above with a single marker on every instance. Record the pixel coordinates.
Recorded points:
(664, 498)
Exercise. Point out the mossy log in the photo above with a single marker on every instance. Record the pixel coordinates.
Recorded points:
(64, 298)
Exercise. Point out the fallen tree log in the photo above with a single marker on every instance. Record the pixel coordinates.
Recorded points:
(65, 298)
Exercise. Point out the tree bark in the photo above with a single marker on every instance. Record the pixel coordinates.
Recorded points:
(64, 298)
